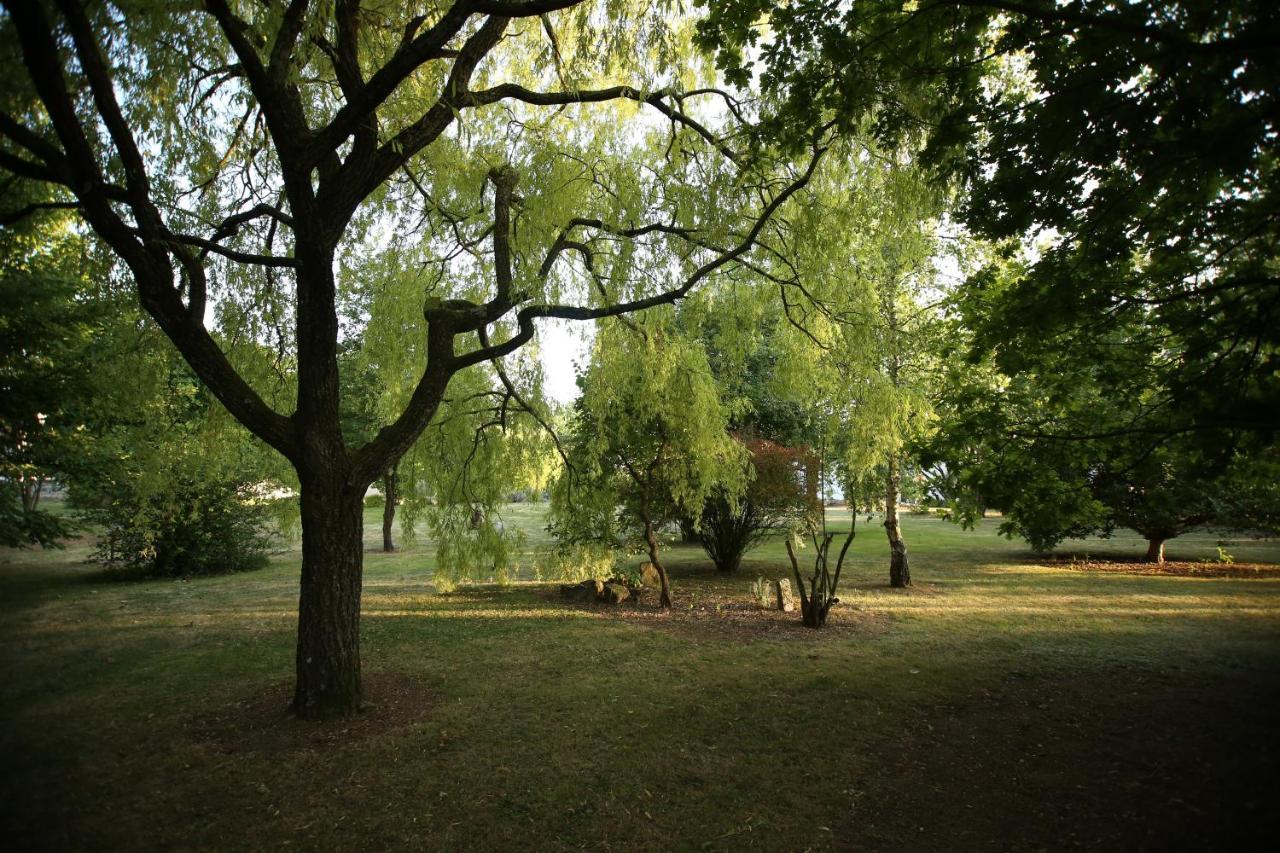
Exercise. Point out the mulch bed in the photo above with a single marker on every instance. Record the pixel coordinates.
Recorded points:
(1178, 568)
(711, 616)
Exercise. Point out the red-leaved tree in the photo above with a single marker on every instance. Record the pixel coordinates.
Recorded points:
(783, 491)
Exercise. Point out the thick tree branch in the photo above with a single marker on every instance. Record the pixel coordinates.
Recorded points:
(426, 129)
(27, 169)
(657, 100)
(31, 141)
(414, 50)
(35, 207)
(504, 187)
(286, 40)
(393, 440)
(519, 8)
(40, 54)
(280, 102)
(526, 316)
(148, 260)
(179, 240)
(100, 84)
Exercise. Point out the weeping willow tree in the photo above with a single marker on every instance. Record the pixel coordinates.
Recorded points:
(859, 288)
(491, 435)
(507, 160)
(649, 442)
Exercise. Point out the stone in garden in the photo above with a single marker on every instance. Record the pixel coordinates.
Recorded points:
(616, 593)
(649, 575)
(573, 591)
(762, 589)
(786, 599)
(589, 590)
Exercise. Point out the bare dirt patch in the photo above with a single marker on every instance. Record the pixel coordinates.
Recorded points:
(1180, 568)
(260, 721)
(725, 617)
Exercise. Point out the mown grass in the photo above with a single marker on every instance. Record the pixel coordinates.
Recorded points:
(1004, 702)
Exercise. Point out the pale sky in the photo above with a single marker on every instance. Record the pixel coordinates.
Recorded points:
(562, 346)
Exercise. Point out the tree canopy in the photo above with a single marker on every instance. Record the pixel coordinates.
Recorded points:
(650, 440)
(1138, 139)
(350, 219)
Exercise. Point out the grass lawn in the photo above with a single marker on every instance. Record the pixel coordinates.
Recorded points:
(1003, 703)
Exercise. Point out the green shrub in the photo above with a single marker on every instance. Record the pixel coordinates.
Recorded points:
(577, 563)
(194, 527)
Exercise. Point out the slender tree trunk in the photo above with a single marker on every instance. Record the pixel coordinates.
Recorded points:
(652, 541)
(1155, 550)
(31, 489)
(328, 660)
(389, 484)
(899, 571)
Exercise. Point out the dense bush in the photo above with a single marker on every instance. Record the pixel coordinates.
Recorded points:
(781, 493)
(192, 527)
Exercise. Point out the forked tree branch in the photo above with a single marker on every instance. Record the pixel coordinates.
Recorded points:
(142, 248)
(525, 317)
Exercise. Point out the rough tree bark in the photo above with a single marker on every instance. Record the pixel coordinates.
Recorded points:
(899, 571)
(389, 485)
(1155, 549)
(328, 652)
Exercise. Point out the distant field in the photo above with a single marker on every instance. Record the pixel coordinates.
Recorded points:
(930, 539)
(1006, 702)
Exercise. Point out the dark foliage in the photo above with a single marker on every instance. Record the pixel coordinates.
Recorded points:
(194, 527)
(780, 495)
(20, 527)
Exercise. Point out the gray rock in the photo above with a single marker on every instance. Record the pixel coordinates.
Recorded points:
(649, 575)
(574, 591)
(786, 599)
(588, 591)
(616, 593)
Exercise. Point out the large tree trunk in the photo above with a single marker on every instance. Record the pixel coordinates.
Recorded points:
(328, 661)
(389, 509)
(899, 571)
(1155, 549)
(652, 541)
